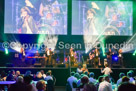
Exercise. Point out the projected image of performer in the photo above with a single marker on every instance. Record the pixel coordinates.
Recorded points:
(90, 27)
(49, 11)
(27, 24)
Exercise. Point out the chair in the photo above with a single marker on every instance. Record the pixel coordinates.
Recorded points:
(50, 85)
(68, 87)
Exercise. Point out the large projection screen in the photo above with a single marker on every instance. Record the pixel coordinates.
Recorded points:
(102, 17)
(36, 17)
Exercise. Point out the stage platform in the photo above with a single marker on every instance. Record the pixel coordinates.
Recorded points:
(62, 73)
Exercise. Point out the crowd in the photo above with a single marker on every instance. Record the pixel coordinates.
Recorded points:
(28, 81)
(82, 80)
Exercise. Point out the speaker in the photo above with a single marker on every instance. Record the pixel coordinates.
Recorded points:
(9, 65)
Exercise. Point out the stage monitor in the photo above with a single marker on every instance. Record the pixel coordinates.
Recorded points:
(36, 17)
(102, 17)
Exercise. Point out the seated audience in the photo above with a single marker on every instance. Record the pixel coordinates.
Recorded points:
(29, 85)
(131, 79)
(127, 87)
(91, 79)
(48, 77)
(71, 79)
(18, 86)
(100, 79)
(10, 76)
(84, 81)
(79, 69)
(119, 81)
(3, 76)
(41, 86)
(84, 69)
(54, 79)
(105, 85)
(38, 76)
(89, 87)
(44, 75)
(17, 74)
(125, 79)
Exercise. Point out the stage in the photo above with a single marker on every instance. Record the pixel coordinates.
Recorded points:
(63, 73)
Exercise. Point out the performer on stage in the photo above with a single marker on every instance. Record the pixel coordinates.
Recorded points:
(120, 56)
(49, 54)
(72, 58)
(22, 54)
(109, 57)
(91, 57)
(96, 58)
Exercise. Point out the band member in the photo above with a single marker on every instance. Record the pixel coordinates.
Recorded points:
(27, 24)
(96, 58)
(72, 58)
(91, 57)
(109, 57)
(120, 56)
(37, 54)
(22, 54)
(49, 54)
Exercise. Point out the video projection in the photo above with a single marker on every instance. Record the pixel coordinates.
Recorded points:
(36, 17)
(102, 18)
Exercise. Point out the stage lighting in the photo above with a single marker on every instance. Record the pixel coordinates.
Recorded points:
(6, 51)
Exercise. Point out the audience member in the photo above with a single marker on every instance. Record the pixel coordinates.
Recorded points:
(84, 69)
(18, 86)
(125, 79)
(10, 76)
(79, 69)
(89, 87)
(131, 79)
(71, 79)
(48, 77)
(91, 79)
(38, 76)
(3, 76)
(106, 70)
(127, 87)
(84, 81)
(119, 81)
(29, 85)
(41, 86)
(105, 85)
(43, 74)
